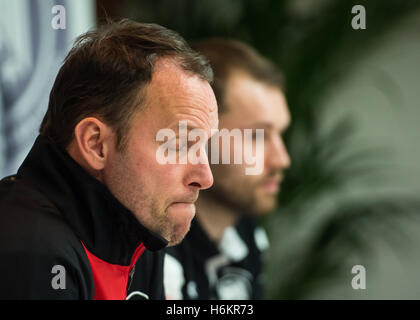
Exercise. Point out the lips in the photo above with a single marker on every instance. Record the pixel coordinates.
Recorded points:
(191, 199)
(183, 205)
(183, 208)
(186, 203)
(271, 185)
(273, 179)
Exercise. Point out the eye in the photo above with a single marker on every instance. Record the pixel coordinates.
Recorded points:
(173, 145)
(254, 134)
(182, 147)
(178, 145)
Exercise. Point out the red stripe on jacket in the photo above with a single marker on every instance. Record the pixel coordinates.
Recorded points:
(111, 280)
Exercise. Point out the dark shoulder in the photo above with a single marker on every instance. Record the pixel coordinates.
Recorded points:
(35, 239)
(30, 221)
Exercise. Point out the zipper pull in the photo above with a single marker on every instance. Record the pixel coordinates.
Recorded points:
(130, 277)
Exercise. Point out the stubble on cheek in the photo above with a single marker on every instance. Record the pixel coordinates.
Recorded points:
(141, 188)
(130, 188)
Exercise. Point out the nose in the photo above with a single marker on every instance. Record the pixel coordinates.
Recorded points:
(277, 156)
(203, 177)
(200, 175)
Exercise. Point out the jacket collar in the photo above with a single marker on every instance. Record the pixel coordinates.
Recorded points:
(106, 227)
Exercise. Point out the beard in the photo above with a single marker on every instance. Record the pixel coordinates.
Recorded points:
(146, 205)
(131, 192)
(244, 195)
(177, 235)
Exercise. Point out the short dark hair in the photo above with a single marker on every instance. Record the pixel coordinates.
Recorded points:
(105, 73)
(227, 55)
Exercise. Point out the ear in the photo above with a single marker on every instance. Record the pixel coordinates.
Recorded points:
(94, 141)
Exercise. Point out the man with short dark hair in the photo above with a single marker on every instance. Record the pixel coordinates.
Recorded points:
(221, 257)
(91, 199)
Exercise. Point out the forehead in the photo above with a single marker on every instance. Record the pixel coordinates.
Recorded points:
(250, 101)
(174, 94)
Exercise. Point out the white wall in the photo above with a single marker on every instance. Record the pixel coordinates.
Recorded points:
(31, 53)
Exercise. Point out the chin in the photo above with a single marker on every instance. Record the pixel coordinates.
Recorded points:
(175, 240)
(261, 212)
(265, 207)
(179, 234)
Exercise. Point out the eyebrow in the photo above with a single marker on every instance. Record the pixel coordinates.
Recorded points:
(189, 127)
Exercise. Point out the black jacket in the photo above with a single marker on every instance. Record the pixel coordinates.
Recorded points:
(56, 220)
(198, 268)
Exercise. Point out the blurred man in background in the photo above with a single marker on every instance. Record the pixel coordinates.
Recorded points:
(221, 256)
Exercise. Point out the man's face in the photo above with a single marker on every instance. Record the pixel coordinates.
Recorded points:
(162, 196)
(251, 104)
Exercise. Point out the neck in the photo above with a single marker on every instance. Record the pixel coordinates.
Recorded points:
(214, 217)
